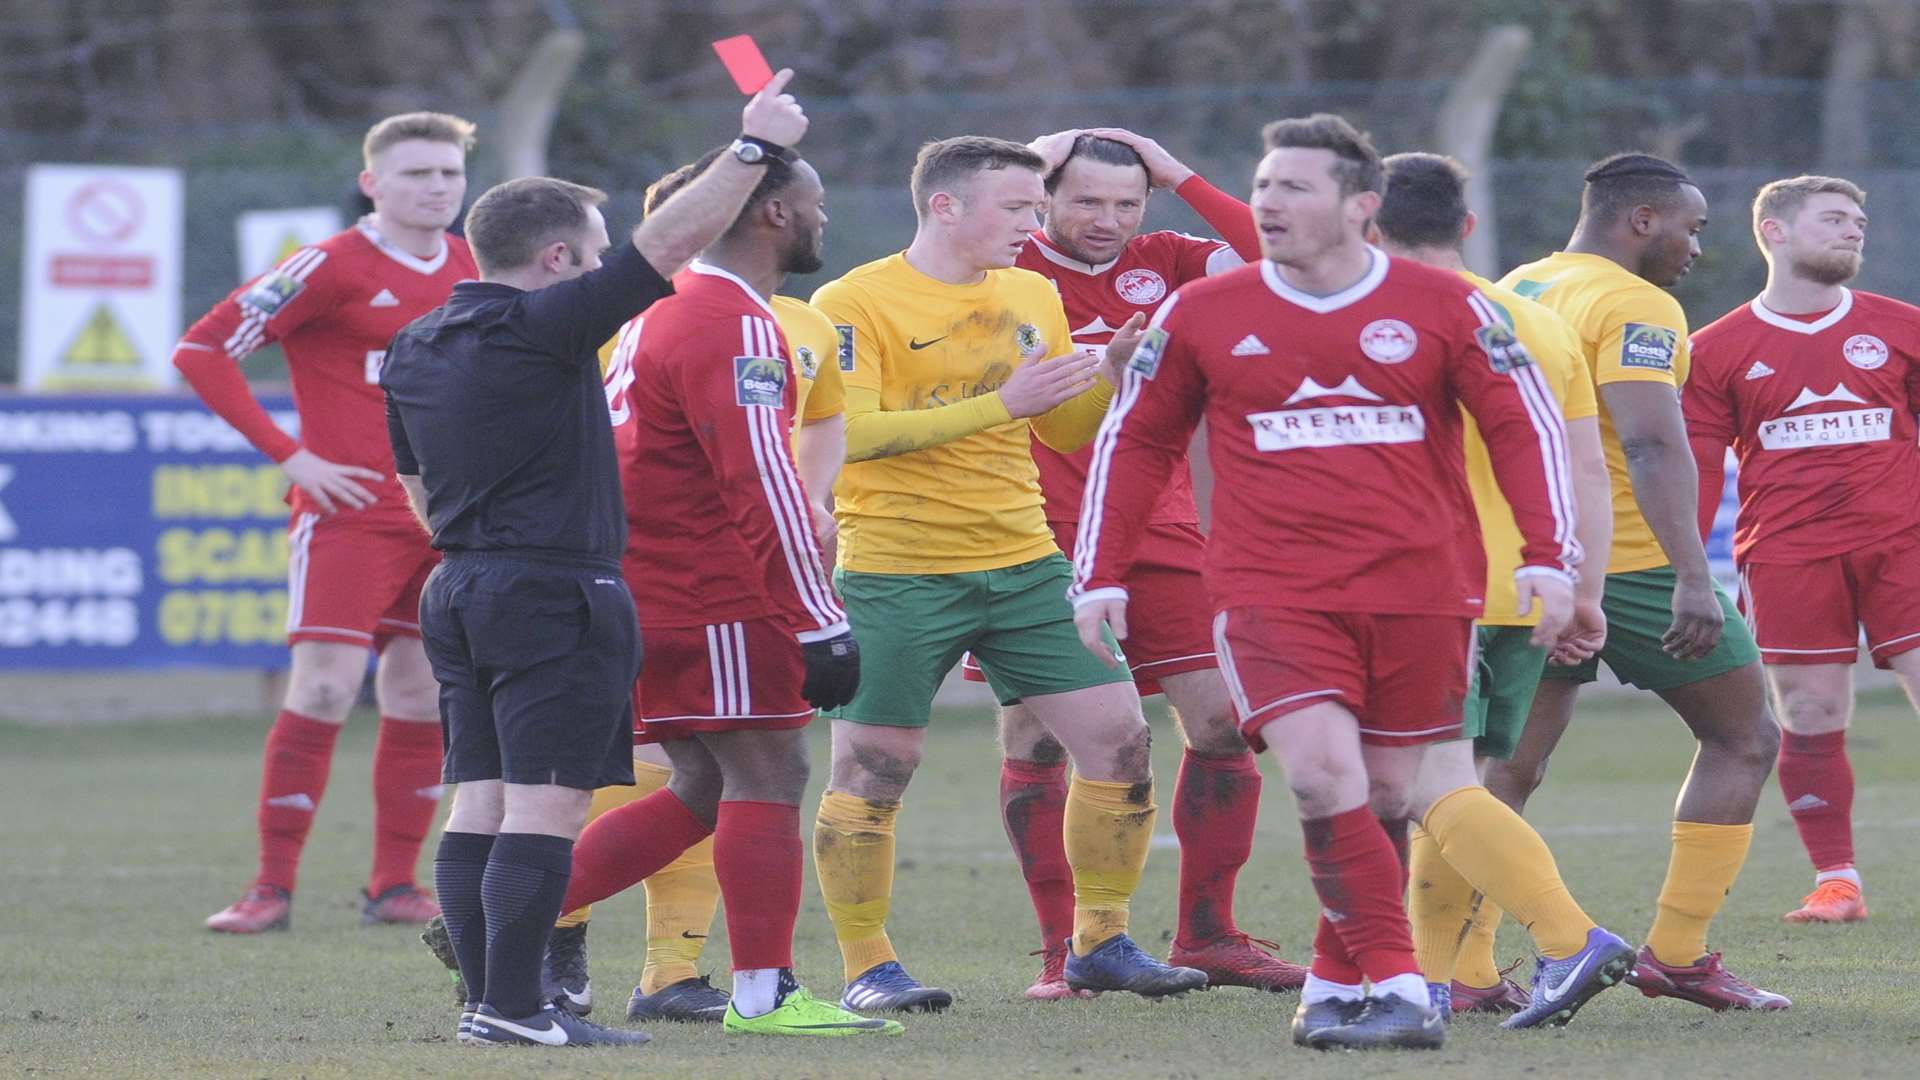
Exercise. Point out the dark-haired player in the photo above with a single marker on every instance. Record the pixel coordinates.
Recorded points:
(1344, 563)
(1815, 385)
(1670, 629)
(1465, 831)
(1099, 182)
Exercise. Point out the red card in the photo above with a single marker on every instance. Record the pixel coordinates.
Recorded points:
(744, 62)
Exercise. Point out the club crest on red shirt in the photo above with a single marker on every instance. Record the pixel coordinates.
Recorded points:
(1865, 351)
(1140, 286)
(1388, 341)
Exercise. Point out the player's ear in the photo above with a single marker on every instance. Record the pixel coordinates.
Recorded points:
(1467, 226)
(1363, 205)
(945, 206)
(366, 182)
(1643, 220)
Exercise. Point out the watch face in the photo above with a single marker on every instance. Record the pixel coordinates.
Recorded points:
(748, 152)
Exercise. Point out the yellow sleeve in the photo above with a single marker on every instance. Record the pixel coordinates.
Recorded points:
(1073, 423)
(873, 432)
(829, 396)
(1644, 340)
(858, 354)
(1577, 401)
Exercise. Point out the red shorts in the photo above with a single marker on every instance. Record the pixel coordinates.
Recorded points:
(1169, 620)
(355, 578)
(737, 676)
(1404, 677)
(1813, 612)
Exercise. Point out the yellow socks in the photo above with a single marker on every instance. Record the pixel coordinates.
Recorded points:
(1108, 828)
(1439, 906)
(1496, 850)
(610, 798)
(1474, 964)
(1706, 860)
(853, 856)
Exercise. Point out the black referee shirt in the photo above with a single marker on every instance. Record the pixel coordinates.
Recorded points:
(494, 400)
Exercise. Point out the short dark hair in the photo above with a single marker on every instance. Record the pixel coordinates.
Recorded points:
(509, 224)
(947, 160)
(1425, 202)
(1617, 184)
(1097, 148)
(779, 173)
(1358, 164)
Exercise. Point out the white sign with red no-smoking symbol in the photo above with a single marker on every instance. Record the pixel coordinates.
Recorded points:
(102, 274)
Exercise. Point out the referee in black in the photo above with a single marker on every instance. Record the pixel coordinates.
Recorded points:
(502, 439)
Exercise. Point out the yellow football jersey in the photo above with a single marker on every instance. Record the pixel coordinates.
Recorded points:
(1554, 347)
(918, 343)
(815, 348)
(1630, 330)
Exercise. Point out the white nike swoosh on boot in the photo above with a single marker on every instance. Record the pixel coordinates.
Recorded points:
(1553, 989)
(552, 1035)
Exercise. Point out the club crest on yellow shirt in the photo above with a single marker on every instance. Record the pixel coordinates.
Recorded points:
(1027, 337)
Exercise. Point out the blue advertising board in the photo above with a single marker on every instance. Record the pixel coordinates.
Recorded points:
(139, 532)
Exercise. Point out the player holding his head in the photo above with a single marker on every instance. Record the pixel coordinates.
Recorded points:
(1344, 563)
(1471, 853)
(1670, 629)
(1815, 386)
(357, 559)
(957, 356)
(1099, 182)
(683, 896)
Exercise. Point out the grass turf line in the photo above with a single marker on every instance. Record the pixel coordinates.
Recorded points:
(119, 841)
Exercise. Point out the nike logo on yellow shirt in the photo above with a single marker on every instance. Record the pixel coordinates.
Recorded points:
(916, 344)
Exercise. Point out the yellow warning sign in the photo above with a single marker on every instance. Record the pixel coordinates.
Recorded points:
(101, 342)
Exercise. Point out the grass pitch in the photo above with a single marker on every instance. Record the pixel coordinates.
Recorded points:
(119, 841)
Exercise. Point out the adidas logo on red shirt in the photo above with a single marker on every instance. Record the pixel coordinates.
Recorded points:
(1251, 346)
(1759, 370)
(384, 298)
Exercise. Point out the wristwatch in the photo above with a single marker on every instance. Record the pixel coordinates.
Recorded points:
(751, 151)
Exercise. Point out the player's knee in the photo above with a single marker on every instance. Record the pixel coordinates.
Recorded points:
(323, 693)
(1132, 752)
(1390, 800)
(874, 768)
(1214, 735)
(1812, 714)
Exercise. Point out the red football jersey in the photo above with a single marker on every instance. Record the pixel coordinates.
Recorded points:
(1099, 299)
(333, 307)
(1820, 414)
(1334, 430)
(717, 522)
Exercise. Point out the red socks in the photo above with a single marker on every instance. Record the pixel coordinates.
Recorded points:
(1358, 877)
(1817, 781)
(1215, 802)
(299, 756)
(629, 844)
(1033, 806)
(406, 792)
(756, 856)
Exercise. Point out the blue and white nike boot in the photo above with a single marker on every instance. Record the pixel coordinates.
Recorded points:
(1560, 987)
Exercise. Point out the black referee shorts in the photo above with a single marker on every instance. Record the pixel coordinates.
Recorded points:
(536, 658)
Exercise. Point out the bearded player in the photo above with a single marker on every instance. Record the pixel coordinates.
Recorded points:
(1670, 629)
(1345, 563)
(683, 896)
(1815, 386)
(1099, 183)
(356, 556)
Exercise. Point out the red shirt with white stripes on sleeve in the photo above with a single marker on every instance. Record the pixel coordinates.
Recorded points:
(1820, 413)
(1335, 438)
(718, 528)
(1101, 297)
(333, 307)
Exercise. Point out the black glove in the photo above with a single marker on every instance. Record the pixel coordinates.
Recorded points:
(833, 671)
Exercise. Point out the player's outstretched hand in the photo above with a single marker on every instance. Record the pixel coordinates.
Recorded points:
(1163, 169)
(1556, 606)
(330, 484)
(1039, 385)
(1584, 637)
(1121, 347)
(833, 671)
(1697, 621)
(774, 115)
(1054, 149)
(1096, 615)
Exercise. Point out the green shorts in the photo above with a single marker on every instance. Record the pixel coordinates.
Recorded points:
(1639, 609)
(1500, 688)
(913, 628)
